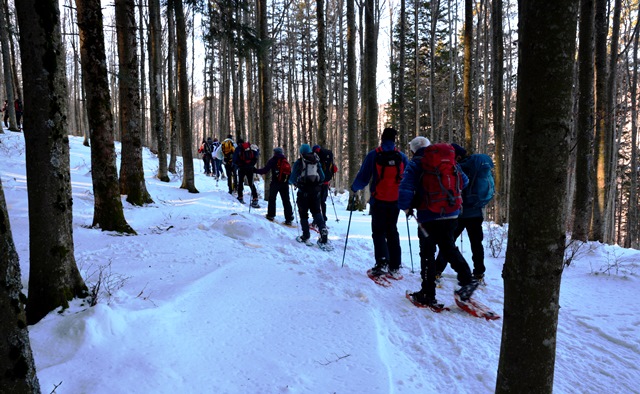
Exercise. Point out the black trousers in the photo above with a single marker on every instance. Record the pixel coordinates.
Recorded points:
(440, 233)
(232, 177)
(384, 231)
(476, 235)
(281, 188)
(308, 200)
(246, 173)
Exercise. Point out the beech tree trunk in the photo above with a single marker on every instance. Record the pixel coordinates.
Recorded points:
(132, 181)
(108, 212)
(54, 278)
(535, 253)
(8, 74)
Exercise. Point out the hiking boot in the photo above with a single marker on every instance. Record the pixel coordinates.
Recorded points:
(395, 274)
(270, 218)
(304, 240)
(288, 222)
(466, 291)
(423, 299)
(480, 279)
(324, 233)
(241, 200)
(254, 204)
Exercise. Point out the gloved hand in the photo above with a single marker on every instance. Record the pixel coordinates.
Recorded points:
(408, 212)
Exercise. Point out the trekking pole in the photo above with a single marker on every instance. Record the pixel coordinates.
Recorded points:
(410, 252)
(295, 208)
(334, 206)
(349, 206)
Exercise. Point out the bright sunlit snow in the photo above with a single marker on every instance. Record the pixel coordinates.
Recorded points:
(210, 297)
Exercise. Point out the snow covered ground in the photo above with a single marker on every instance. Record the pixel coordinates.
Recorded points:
(212, 298)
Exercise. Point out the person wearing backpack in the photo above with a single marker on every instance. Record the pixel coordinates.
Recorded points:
(432, 184)
(280, 172)
(245, 158)
(326, 161)
(19, 110)
(475, 197)
(228, 147)
(307, 176)
(216, 153)
(383, 167)
(205, 151)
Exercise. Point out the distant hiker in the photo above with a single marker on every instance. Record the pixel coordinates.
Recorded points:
(280, 172)
(216, 164)
(205, 151)
(307, 176)
(6, 113)
(18, 107)
(385, 165)
(228, 147)
(245, 158)
(432, 183)
(326, 161)
(475, 197)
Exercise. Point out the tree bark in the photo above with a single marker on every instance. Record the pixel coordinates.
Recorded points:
(173, 121)
(322, 75)
(600, 161)
(535, 252)
(108, 212)
(17, 367)
(132, 181)
(498, 107)
(54, 278)
(584, 125)
(468, 46)
(155, 87)
(8, 74)
(188, 177)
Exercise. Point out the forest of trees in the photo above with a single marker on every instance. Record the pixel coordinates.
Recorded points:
(166, 74)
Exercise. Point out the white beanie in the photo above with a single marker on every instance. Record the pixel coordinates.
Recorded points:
(419, 142)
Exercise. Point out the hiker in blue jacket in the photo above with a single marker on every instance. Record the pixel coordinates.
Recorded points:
(383, 205)
(434, 229)
(474, 198)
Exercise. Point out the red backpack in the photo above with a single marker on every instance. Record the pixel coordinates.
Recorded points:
(441, 181)
(247, 155)
(389, 168)
(283, 170)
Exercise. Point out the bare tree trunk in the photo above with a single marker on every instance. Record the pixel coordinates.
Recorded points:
(108, 212)
(534, 259)
(352, 94)
(17, 86)
(631, 241)
(322, 76)
(173, 121)
(188, 177)
(498, 107)
(266, 94)
(8, 74)
(468, 46)
(54, 278)
(600, 145)
(17, 367)
(584, 125)
(132, 181)
(155, 87)
(370, 98)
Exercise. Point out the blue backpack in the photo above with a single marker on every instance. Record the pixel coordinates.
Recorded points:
(481, 186)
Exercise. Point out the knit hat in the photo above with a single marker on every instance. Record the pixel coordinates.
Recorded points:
(389, 134)
(240, 141)
(316, 148)
(419, 142)
(230, 136)
(278, 151)
(305, 148)
(460, 151)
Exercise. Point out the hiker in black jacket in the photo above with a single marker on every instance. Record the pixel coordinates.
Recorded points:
(279, 184)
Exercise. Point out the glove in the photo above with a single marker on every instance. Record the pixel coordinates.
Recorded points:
(408, 212)
(353, 190)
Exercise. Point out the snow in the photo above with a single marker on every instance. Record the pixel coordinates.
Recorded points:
(212, 298)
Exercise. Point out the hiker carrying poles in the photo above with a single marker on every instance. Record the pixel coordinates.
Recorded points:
(351, 209)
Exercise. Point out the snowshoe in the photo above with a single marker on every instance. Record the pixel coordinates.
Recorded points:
(418, 299)
(466, 291)
(306, 241)
(395, 275)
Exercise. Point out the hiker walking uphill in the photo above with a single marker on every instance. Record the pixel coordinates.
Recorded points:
(245, 158)
(280, 172)
(216, 164)
(307, 176)
(326, 161)
(228, 148)
(384, 168)
(206, 152)
(475, 197)
(432, 183)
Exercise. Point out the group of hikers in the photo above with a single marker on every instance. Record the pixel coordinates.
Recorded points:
(443, 186)
(17, 105)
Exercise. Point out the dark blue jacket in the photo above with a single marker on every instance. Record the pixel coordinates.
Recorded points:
(410, 185)
(368, 171)
(272, 165)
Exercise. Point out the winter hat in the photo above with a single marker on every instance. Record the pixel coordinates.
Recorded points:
(389, 134)
(305, 148)
(278, 151)
(316, 148)
(460, 151)
(215, 140)
(229, 136)
(240, 141)
(419, 142)
(209, 139)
